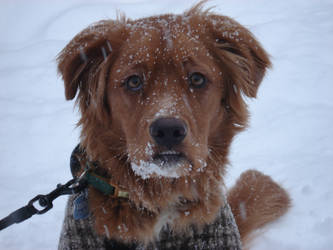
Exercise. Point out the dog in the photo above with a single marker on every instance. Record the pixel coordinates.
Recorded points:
(161, 99)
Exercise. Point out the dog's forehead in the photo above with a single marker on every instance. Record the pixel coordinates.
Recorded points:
(159, 38)
(168, 27)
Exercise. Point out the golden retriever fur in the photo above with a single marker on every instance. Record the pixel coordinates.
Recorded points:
(164, 51)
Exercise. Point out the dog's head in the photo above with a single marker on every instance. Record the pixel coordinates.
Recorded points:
(162, 97)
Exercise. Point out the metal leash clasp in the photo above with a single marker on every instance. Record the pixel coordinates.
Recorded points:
(73, 186)
(46, 201)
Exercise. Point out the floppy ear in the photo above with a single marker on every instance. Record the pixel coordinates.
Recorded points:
(84, 62)
(242, 59)
(239, 52)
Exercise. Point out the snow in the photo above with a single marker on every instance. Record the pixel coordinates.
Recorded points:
(289, 138)
(146, 170)
(107, 233)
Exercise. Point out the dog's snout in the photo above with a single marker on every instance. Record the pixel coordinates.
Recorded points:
(168, 132)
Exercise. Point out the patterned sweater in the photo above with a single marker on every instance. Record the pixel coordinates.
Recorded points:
(220, 235)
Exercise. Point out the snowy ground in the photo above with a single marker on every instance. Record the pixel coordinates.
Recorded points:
(290, 137)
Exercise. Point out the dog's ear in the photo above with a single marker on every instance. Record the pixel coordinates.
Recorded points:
(242, 60)
(240, 54)
(81, 61)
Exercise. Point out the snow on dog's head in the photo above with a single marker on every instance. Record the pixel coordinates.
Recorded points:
(161, 99)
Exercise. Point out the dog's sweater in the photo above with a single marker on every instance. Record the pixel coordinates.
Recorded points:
(221, 235)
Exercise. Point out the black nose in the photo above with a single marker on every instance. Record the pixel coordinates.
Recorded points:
(168, 132)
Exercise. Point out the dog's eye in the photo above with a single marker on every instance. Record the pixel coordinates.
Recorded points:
(197, 80)
(134, 83)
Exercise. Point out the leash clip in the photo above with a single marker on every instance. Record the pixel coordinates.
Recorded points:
(73, 186)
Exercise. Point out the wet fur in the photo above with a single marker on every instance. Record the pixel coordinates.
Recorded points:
(115, 122)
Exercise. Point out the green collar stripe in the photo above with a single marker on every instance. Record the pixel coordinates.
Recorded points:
(98, 183)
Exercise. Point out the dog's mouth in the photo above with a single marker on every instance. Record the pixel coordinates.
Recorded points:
(168, 163)
(169, 158)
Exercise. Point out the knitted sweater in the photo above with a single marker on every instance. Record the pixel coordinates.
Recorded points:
(220, 235)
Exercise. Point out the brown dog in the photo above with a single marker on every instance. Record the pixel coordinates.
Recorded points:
(161, 99)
